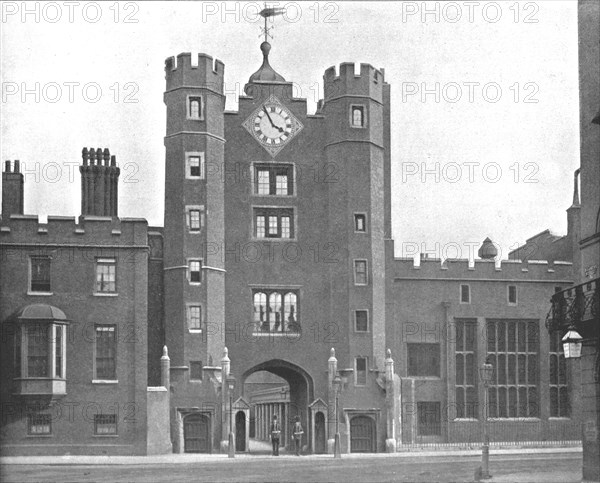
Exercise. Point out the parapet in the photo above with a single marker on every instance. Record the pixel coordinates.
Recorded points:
(430, 268)
(22, 231)
(369, 82)
(208, 73)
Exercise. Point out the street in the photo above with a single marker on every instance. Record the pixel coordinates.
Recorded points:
(530, 467)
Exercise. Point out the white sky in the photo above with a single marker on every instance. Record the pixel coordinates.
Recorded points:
(536, 139)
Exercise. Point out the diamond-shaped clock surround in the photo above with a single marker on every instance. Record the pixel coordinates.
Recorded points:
(272, 149)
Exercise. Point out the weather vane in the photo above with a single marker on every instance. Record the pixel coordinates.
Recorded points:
(266, 13)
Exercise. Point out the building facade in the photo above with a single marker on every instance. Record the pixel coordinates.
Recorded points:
(74, 310)
(275, 257)
(578, 308)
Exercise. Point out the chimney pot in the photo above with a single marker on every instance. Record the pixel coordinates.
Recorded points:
(113, 160)
(7, 166)
(17, 166)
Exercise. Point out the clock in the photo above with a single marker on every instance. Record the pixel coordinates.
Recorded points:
(272, 125)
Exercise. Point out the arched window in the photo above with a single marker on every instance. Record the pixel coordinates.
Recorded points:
(195, 108)
(275, 311)
(357, 116)
(290, 312)
(260, 309)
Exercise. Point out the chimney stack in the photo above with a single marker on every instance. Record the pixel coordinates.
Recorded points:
(12, 189)
(99, 183)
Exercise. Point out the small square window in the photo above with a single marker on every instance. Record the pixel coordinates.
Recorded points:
(195, 274)
(195, 219)
(195, 370)
(40, 274)
(105, 424)
(512, 295)
(357, 116)
(39, 424)
(361, 371)
(194, 317)
(195, 108)
(195, 166)
(465, 294)
(360, 272)
(106, 275)
(360, 223)
(361, 321)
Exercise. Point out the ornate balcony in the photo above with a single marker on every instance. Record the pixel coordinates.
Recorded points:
(577, 306)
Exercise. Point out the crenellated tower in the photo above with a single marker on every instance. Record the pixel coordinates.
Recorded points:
(194, 219)
(356, 109)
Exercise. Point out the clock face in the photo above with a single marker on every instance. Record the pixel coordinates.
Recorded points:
(272, 125)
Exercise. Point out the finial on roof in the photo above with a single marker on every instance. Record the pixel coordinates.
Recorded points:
(488, 250)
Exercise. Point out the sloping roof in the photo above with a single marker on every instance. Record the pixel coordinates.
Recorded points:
(42, 312)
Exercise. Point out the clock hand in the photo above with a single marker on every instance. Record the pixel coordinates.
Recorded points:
(271, 120)
(268, 116)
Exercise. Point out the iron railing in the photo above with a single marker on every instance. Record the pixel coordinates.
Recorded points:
(574, 306)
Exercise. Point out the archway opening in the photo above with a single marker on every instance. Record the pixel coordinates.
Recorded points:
(277, 388)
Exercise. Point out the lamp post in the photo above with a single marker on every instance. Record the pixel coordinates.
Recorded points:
(486, 372)
(231, 385)
(337, 452)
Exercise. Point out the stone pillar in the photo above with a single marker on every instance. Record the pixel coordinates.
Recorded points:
(390, 404)
(225, 368)
(332, 371)
(165, 369)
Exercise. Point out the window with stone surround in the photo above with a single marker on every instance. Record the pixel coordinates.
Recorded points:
(106, 353)
(273, 179)
(40, 274)
(275, 311)
(106, 275)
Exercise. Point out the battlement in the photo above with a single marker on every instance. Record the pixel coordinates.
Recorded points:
(26, 230)
(434, 268)
(369, 82)
(208, 73)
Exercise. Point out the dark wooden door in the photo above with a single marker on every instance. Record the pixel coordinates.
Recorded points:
(362, 435)
(196, 434)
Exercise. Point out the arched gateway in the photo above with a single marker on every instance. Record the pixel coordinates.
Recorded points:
(301, 393)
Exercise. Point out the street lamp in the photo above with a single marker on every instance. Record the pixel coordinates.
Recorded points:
(572, 342)
(231, 385)
(337, 383)
(486, 372)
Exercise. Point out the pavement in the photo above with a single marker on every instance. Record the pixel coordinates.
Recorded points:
(549, 476)
(186, 458)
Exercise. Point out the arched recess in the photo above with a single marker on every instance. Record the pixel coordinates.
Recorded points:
(301, 394)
